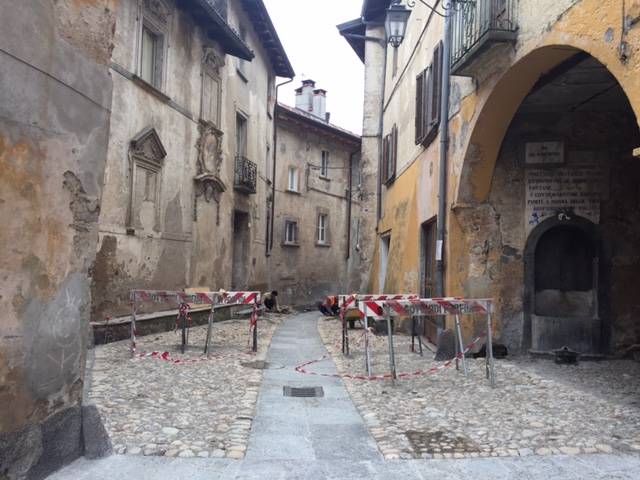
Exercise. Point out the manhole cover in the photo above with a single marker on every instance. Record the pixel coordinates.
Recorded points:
(304, 392)
(257, 365)
(439, 442)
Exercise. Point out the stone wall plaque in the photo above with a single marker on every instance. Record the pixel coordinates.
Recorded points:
(544, 153)
(576, 188)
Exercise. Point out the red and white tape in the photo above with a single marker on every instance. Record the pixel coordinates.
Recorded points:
(166, 357)
(424, 307)
(405, 375)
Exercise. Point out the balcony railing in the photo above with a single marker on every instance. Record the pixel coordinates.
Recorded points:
(246, 175)
(476, 25)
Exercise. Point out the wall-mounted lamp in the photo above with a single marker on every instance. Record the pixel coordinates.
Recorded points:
(395, 24)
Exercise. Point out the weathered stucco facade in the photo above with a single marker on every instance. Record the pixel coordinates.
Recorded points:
(309, 264)
(55, 98)
(189, 160)
(567, 72)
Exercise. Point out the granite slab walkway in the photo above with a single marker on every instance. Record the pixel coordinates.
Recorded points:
(325, 438)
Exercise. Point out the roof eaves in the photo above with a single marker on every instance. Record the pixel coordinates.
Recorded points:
(354, 27)
(310, 119)
(222, 32)
(265, 29)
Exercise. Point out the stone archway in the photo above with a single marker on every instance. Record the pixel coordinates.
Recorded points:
(562, 287)
(557, 146)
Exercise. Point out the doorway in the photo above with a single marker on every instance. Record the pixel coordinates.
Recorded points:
(428, 283)
(385, 245)
(240, 250)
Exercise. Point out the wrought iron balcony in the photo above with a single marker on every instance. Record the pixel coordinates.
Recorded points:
(245, 176)
(478, 24)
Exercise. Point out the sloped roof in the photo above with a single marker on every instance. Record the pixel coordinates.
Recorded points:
(374, 9)
(296, 116)
(354, 27)
(262, 24)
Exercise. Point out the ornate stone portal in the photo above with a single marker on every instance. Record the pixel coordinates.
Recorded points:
(208, 182)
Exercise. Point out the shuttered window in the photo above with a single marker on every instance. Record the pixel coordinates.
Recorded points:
(428, 94)
(390, 156)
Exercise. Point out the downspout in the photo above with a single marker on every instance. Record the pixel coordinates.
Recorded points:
(350, 204)
(273, 175)
(380, 133)
(444, 149)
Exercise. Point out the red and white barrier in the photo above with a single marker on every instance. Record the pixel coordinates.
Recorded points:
(215, 299)
(424, 307)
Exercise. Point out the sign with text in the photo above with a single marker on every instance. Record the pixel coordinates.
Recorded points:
(576, 188)
(543, 153)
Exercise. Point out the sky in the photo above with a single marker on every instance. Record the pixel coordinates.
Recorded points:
(307, 30)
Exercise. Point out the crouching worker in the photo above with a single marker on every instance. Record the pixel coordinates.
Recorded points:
(270, 301)
(330, 306)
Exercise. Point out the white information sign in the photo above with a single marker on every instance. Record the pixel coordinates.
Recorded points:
(543, 153)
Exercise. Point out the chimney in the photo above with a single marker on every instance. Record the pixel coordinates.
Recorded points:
(304, 96)
(320, 103)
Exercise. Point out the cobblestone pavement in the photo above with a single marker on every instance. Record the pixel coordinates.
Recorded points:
(156, 408)
(537, 407)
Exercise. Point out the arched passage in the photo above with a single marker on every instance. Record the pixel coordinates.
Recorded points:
(549, 155)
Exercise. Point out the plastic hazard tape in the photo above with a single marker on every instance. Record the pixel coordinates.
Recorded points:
(210, 298)
(166, 357)
(425, 307)
(347, 301)
(405, 375)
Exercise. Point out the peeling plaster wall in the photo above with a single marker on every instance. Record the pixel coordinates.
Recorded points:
(362, 262)
(306, 273)
(55, 95)
(191, 244)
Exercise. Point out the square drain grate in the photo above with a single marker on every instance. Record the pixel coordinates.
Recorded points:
(303, 392)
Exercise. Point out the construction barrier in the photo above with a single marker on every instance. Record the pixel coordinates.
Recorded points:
(384, 307)
(182, 299)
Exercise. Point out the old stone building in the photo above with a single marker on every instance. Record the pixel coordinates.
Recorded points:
(55, 99)
(541, 199)
(186, 197)
(318, 212)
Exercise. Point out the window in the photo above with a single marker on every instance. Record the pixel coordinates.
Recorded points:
(152, 41)
(389, 156)
(147, 157)
(241, 135)
(324, 165)
(322, 229)
(293, 179)
(428, 93)
(290, 232)
(211, 90)
(241, 65)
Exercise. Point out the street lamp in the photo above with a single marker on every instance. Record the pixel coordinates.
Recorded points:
(395, 25)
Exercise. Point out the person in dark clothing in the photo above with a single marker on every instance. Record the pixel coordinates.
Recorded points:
(330, 306)
(270, 300)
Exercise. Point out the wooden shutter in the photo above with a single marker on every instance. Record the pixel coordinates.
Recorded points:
(436, 89)
(419, 107)
(385, 159)
(393, 157)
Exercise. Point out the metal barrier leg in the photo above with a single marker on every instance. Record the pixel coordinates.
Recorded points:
(421, 329)
(490, 361)
(392, 356)
(207, 343)
(133, 328)
(367, 353)
(461, 346)
(254, 347)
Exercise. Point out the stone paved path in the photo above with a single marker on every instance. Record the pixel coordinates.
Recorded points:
(155, 408)
(326, 439)
(537, 407)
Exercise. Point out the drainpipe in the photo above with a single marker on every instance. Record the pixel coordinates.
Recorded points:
(273, 176)
(444, 149)
(380, 133)
(350, 204)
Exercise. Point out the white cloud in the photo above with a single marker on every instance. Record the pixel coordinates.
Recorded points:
(307, 30)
